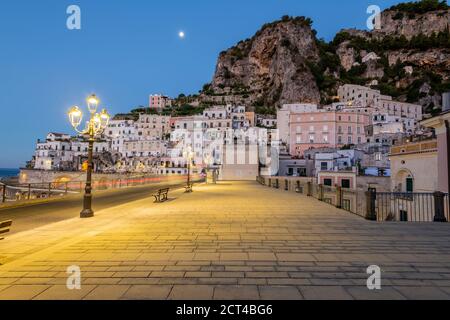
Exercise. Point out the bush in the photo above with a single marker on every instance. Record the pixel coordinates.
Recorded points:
(420, 7)
(398, 16)
(420, 42)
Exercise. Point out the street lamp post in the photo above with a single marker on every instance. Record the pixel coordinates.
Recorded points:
(96, 125)
(188, 155)
(208, 160)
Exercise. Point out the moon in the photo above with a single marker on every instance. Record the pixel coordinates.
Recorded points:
(181, 34)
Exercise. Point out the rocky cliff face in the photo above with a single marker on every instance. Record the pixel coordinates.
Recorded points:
(395, 22)
(413, 53)
(285, 63)
(270, 68)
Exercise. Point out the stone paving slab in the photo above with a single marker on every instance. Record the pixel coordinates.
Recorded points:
(233, 240)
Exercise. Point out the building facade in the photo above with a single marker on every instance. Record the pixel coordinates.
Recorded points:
(414, 167)
(284, 118)
(158, 101)
(325, 129)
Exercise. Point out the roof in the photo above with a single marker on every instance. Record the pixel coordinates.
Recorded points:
(59, 134)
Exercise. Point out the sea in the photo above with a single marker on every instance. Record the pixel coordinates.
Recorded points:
(8, 173)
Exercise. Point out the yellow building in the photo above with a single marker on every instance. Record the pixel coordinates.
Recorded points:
(414, 167)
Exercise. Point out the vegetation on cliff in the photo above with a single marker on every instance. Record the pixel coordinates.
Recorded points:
(420, 7)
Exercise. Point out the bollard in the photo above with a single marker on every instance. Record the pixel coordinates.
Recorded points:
(309, 186)
(371, 197)
(49, 189)
(439, 208)
(67, 188)
(339, 197)
(4, 193)
(320, 196)
(29, 191)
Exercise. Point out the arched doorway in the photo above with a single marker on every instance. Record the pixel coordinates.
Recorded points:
(404, 181)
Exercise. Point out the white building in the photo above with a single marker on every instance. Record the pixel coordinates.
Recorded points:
(355, 95)
(63, 152)
(340, 160)
(118, 132)
(395, 124)
(152, 127)
(358, 95)
(217, 112)
(266, 121)
(400, 109)
(238, 117)
(144, 148)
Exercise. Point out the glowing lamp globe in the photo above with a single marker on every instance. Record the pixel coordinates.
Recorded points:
(93, 102)
(75, 116)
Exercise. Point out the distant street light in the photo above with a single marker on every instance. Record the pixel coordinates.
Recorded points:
(96, 125)
(209, 161)
(188, 154)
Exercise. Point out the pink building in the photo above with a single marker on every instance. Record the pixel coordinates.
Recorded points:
(326, 129)
(158, 101)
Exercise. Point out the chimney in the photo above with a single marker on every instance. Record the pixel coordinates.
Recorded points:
(446, 101)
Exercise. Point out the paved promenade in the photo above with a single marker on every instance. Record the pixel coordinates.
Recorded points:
(229, 241)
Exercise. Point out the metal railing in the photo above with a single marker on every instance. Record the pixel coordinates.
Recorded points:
(414, 207)
(43, 190)
(371, 205)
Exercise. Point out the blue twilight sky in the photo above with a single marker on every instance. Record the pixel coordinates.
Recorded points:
(125, 51)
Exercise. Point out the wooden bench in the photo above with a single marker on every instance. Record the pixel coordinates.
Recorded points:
(162, 195)
(5, 227)
(189, 188)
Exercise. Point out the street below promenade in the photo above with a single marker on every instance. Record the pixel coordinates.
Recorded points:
(234, 240)
(33, 216)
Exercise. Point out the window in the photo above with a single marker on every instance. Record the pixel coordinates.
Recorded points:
(325, 128)
(311, 129)
(349, 140)
(339, 140)
(325, 139)
(328, 182)
(299, 139)
(324, 166)
(299, 129)
(311, 138)
(345, 183)
(409, 184)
